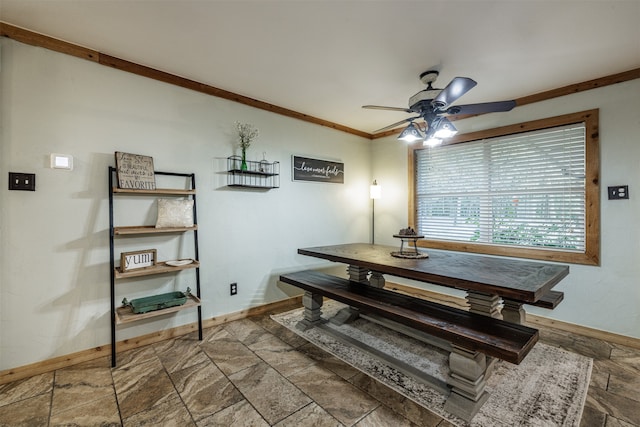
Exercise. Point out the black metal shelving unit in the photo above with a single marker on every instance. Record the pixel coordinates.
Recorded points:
(122, 315)
(250, 174)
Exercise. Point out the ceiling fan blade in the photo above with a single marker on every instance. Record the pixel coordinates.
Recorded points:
(454, 90)
(382, 107)
(391, 126)
(485, 107)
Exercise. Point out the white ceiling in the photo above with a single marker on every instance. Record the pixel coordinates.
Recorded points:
(328, 58)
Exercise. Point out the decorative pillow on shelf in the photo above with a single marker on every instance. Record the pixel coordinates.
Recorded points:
(174, 213)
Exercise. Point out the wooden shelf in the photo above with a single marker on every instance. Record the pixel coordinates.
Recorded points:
(159, 268)
(149, 229)
(126, 315)
(166, 191)
(185, 189)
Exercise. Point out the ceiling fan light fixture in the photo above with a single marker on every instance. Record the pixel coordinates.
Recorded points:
(444, 129)
(432, 141)
(432, 104)
(411, 134)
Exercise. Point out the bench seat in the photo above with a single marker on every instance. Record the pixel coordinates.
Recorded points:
(550, 300)
(471, 331)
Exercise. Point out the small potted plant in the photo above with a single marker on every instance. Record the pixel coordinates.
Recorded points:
(246, 134)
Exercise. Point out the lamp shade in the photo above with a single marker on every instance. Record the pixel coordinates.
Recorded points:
(410, 134)
(375, 191)
(432, 141)
(445, 129)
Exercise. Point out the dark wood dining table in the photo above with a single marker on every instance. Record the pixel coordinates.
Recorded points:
(488, 280)
(496, 287)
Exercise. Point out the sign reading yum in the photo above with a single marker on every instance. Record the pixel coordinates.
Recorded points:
(138, 259)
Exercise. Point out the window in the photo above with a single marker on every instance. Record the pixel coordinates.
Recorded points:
(529, 190)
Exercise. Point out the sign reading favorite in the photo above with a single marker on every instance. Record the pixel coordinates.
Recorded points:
(135, 171)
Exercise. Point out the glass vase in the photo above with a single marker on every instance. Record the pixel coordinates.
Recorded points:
(244, 160)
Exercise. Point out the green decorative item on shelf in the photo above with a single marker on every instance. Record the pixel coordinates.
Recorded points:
(243, 166)
(246, 134)
(157, 302)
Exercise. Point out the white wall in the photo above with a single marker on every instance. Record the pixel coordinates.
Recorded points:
(54, 250)
(54, 253)
(605, 297)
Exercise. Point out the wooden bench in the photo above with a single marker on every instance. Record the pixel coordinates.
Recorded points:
(550, 300)
(473, 336)
(474, 332)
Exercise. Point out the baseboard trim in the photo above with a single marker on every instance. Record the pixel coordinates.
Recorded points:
(532, 319)
(49, 365)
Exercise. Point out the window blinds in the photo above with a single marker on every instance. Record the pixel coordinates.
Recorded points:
(526, 190)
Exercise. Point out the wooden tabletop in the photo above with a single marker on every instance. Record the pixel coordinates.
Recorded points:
(525, 281)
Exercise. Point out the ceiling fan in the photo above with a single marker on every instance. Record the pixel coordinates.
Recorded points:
(434, 106)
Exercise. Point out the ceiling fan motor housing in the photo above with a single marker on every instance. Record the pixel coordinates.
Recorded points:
(429, 76)
(422, 99)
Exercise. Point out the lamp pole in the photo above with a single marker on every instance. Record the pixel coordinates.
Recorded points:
(375, 191)
(373, 221)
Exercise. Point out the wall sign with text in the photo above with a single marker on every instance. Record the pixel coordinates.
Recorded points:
(135, 171)
(306, 169)
(137, 259)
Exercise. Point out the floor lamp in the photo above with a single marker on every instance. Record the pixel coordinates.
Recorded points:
(375, 192)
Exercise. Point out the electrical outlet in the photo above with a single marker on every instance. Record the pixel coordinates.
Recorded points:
(233, 288)
(618, 192)
(22, 181)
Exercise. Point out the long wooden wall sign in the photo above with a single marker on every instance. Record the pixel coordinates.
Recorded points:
(306, 169)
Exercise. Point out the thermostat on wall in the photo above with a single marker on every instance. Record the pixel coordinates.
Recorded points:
(61, 161)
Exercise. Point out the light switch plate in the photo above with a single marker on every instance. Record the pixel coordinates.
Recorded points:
(618, 192)
(22, 181)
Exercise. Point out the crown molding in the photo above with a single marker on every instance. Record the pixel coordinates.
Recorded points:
(36, 39)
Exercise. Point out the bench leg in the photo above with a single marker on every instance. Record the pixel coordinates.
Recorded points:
(467, 381)
(513, 312)
(312, 311)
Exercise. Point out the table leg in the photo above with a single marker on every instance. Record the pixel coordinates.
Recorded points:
(513, 312)
(376, 280)
(312, 311)
(467, 381)
(358, 274)
(485, 304)
(349, 314)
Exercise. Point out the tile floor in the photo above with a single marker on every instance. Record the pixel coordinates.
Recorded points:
(254, 372)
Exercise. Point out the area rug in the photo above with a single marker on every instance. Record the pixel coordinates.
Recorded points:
(548, 388)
